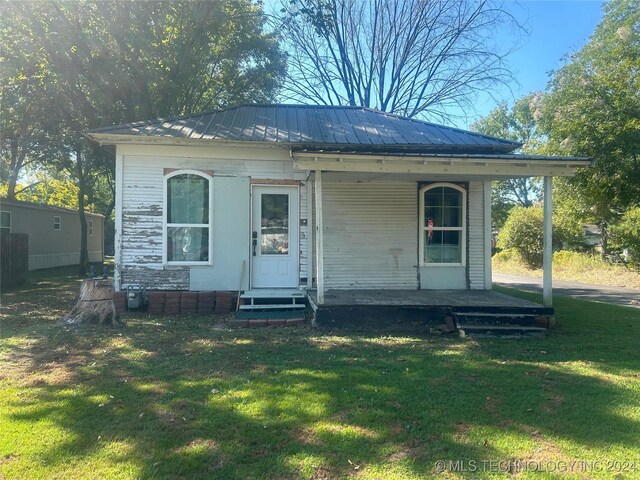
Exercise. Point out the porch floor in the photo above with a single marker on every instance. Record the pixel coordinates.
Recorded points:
(416, 308)
(431, 298)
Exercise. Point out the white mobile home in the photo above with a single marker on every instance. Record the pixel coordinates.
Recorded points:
(54, 232)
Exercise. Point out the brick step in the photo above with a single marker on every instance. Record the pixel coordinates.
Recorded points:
(479, 331)
(269, 315)
(265, 322)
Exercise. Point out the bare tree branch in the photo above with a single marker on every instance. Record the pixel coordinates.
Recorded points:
(411, 57)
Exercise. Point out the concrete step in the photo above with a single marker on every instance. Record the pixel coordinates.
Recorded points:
(274, 306)
(274, 293)
(479, 331)
(504, 319)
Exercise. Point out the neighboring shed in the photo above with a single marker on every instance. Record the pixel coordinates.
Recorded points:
(54, 232)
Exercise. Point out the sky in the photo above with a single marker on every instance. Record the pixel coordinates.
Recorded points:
(556, 28)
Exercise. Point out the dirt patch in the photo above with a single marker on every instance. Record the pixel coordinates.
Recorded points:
(198, 444)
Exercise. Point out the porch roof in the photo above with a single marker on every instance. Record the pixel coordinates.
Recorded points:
(448, 165)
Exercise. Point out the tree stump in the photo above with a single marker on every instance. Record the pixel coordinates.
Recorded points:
(95, 305)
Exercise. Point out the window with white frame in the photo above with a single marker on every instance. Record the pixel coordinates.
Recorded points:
(5, 222)
(57, 223)
(91, 228)
(442, 224)
(188, 216)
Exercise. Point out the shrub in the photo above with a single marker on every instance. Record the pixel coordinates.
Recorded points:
(523, 231)
(626, 234)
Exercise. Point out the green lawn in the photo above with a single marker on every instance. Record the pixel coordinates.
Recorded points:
(174, 397)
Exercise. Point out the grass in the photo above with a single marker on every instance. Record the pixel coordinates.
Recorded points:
(571, 266)
(175, 397)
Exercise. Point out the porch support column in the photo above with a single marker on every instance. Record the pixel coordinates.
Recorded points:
(319, 238)
(310, 235)
(547, 281)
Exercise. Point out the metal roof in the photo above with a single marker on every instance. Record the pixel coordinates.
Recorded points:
(312, 126)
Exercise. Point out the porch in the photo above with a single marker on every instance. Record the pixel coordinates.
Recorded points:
(472, 311)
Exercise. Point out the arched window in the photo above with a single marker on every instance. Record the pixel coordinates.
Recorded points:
(442, 224)
(188, 215)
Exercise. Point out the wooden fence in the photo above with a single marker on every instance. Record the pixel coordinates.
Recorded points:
(14, 258)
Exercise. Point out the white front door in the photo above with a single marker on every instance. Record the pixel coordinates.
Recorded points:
(274, 241)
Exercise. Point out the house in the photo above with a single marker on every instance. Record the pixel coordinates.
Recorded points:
(327, 199)
(54, 232)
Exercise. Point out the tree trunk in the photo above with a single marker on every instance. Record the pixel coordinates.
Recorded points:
(95, 305)
(83, 265)
(11, 187)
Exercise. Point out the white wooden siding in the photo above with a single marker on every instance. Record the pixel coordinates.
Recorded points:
(371, 227)
(142, 216)
(476, 236)
(370, 234)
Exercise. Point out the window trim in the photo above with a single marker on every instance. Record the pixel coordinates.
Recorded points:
(463, 228)
(58, 223)
(165, 211)
(9, 228)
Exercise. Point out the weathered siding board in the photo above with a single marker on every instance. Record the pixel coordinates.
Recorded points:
(141, 242)
(156, 278)
(476, 235)
(370, 233)
(142, 216)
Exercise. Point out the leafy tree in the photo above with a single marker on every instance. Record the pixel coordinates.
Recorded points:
(524, 232)
(59, 191)
(100, 63)
(517, 123)
(626, 234)
(410, 57)
(593, 109)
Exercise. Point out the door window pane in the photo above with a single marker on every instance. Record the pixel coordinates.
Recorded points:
(274, 224)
